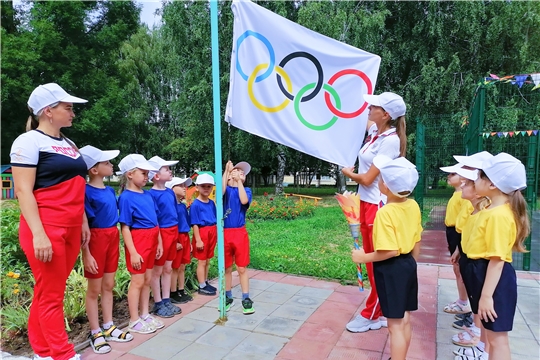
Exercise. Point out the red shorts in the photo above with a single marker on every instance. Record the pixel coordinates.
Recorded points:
(145, 242)
(209, 238)
(183, 256)
(104, 247)
(236, 247)
(168, 237)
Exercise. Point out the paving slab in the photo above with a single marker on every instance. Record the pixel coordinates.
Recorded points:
(161, 347)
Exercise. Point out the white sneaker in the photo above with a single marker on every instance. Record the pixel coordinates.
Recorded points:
(384, 321)
(76, 357)
(37, 357)
(361, 324)
(474, 352)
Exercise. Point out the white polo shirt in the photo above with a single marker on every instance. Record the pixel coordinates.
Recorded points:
(387, 144)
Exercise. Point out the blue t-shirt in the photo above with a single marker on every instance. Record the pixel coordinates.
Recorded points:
(101, 207)
(183, 218)
(138, 210)
(231, 200)
(165, 201)
(203, 214)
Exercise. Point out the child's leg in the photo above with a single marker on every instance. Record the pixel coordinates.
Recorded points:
(228, 278)
(92, 309)
(166, 280)
(107, 286)
(174, 280)
(134, 294)
(182, 277)
(400, 336)
(206, 269)
(499, 347)
(244, 279)
(462, 293)
(144, 299)
(201, 271)
(155, 283)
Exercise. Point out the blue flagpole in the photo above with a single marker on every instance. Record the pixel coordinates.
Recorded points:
(217, 155)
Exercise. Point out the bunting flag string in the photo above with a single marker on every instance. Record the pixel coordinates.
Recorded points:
(518, 80)
(515, 133)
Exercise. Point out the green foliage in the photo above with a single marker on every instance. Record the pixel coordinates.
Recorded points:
(13, 257)
(74, 299)
(16, 289)
(279, 207)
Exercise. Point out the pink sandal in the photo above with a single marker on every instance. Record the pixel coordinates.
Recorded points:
(467, 338)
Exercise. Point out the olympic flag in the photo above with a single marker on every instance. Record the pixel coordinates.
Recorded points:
(297, 87)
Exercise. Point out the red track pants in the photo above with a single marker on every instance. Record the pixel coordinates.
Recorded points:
(46, 329)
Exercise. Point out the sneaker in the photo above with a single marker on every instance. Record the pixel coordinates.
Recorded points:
(247, 305)
(154, 322)
(473, 352)
(464, 323)
(361, 324)
(213, 288)
(462, 316)
(141, 327)
(229, 302)
(76, 357)
(175, 297)
(456, 308)
(384, 321)
(173, 308)
(161, 310)
(207, 291)
(37, 357)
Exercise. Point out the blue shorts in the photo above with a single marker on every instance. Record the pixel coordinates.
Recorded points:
(504, 296)
(453, 238)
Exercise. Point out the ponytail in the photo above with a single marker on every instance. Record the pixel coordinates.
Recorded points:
(401, 130)
(482, 203)
(32, 122)
(521, 217)
(123, 183)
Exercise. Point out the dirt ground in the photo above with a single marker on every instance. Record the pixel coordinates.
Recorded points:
(17, 343)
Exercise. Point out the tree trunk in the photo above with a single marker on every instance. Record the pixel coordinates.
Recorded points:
(280, 171)
(341, 182)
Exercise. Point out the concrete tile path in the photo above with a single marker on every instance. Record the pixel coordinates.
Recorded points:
(304, 318)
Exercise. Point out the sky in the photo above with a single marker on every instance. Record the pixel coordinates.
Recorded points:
(147, 13)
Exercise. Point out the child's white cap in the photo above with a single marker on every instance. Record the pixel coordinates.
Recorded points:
(505, 172)
(159, 163)
(178, 181)
(92, 155)
(399, 175)
(244, 166)
(392, 103)
(133, 161)
(204, 179)
(48, 94)
(451, 169)
(468, 174)
(474, 160)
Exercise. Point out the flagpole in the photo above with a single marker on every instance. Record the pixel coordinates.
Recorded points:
(217, 155)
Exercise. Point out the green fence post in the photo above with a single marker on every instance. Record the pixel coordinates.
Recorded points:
(481, 116)
(530, 192)
(420, 155)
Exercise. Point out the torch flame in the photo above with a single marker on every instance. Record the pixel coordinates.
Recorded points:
(350, 205)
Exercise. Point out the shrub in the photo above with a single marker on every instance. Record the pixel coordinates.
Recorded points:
(279, 207)
(13, 257)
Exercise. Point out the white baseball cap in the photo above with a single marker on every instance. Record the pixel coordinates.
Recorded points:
(468, 174)
(505, 172)
(133, 161)
(92, 155)
(204, 179)
(48, 94)
(474, 160)
(392, 103)
(451, 169)
(244, 166)
(159, 163)
(178, 181)
(399, 175)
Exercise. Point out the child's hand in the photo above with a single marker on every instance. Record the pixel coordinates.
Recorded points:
(136, 261)
(159, 251)
(486, 309)
(85, 234)
(90, 263)
(358, 256)
(455, 257)
(199, 244)
(179, 246)
(229, 166)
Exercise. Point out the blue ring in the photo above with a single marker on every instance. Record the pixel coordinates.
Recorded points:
(270, 51)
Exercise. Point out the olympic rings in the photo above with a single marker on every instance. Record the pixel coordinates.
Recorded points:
(287, 91)
(252, 79)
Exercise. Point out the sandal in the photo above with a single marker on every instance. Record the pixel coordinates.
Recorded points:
(101, 348)
(121, 337)
(467, 338)
(455, 308)
(474, 351)
(141, 327)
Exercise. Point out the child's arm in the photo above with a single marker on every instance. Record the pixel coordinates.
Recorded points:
(226, 174)
(416, 250)
(360, 257)
(455, 257)
(241, 190)
(486, 309)
(136, 259)
(85, 231)
(159, 251)
(198, 242)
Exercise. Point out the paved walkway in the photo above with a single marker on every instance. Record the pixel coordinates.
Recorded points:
(304, 318)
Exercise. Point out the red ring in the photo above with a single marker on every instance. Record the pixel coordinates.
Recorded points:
(331, 82)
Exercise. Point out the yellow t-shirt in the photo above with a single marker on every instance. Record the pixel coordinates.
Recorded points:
(453, 207)
(466, 210)
(493, 234)
(467, 231)
(397, 226)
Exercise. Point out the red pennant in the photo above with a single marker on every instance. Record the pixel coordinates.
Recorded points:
(511, 133)
(493, 133)
(529, 132)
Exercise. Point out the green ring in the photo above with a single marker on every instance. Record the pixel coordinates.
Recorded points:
(298, 98)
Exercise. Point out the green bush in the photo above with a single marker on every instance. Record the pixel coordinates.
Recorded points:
(279, 208)
(13, 257)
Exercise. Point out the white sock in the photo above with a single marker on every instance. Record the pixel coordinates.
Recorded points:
(484, 356)
(481, 345)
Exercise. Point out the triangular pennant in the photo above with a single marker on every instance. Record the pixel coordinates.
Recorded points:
(493, 133)
(494, 76)
(535, 132)
(523, 133)
(485, 134)
(511, 133)
(529, 132)
(499, 134)
(536, 80)
(505, 133)
(520, 79)
(536, 87)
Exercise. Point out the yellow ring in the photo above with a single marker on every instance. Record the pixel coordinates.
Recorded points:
(255, 102)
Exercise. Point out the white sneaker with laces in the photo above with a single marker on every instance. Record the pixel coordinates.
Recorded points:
(384, 321)
(361, 324)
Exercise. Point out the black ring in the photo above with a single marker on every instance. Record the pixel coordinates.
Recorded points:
(319, 72)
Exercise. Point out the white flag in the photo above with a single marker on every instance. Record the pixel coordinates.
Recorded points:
(297, 87)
